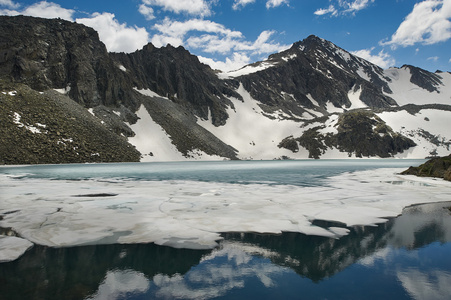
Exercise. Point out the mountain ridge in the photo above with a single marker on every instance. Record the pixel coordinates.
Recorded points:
(309, 92)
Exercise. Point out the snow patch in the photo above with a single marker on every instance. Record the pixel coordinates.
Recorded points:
(122, 68)
(63, 91)
(249, 69)
(354, 97)
(314, 102)
(331, 108)
(151, 140)
(148, 92)
(252, 133)
(17, 120)
(415, 126)
(361, 72)
(405, 92)
(289, 57)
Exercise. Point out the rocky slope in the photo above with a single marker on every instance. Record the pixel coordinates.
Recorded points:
(312, 100)
(436, 167)
(51, 128)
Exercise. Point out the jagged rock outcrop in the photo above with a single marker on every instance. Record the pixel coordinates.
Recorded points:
(178, 75)
(315, 69)
(436, 167)
(57, 54)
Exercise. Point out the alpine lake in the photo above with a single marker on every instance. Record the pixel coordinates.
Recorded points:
(405, 255)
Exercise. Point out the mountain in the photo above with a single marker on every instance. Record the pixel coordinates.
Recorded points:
(313, 100)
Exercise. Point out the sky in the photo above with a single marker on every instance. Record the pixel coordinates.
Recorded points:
(228, 34)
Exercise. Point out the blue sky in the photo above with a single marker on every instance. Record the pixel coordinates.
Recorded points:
(228, 34)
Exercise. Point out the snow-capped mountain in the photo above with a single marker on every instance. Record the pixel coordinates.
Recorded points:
(312, 100)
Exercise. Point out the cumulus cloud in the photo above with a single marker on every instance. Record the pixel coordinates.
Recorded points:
(342, 7)
(146, 11)
(238, 4)
(41, 9)
(275, 3)
(9, 4)
(117, 37)
(174, 32)
(211, 37)
(191, 7)
(382, 59)
(428, 23)
(214, 38)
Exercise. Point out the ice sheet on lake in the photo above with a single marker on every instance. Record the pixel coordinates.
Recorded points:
(192, 214)
(12, 247)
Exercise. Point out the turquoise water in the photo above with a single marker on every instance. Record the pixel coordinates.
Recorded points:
(299, 172)
(406, 258)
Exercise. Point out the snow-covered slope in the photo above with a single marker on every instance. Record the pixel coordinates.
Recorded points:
(406, 92)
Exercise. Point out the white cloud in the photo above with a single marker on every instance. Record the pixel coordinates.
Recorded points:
(146, 11)
(191, 7)
(116, 37)
(382, 59)
(344, 7)
(41, 9)
(237, 61)
(211, 37)
(174, 33)
(428, 23)
(433, 58)
(9, 4)
(324, 11)
(238, 4)
(276, 3)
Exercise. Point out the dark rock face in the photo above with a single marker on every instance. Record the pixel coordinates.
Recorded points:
(178, 75)
(424, 79)
(359, 132)
(320, 69)
(47, 54)
(365, 134)
(436, 167)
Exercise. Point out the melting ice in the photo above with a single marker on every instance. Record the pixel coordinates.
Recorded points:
(193, 213)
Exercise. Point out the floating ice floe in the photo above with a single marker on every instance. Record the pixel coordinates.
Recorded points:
(12, 248)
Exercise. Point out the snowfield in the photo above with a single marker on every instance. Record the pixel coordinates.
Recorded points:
(256, 135)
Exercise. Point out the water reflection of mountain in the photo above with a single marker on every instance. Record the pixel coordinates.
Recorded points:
(79, 272)
(74, 273)
(318, 257)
